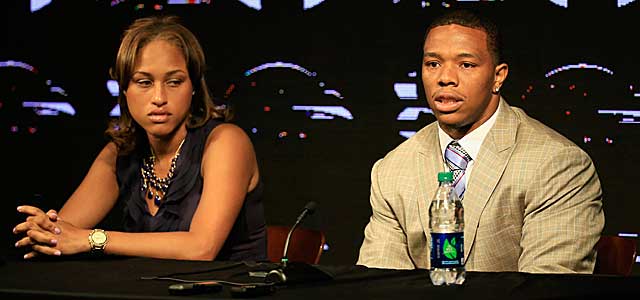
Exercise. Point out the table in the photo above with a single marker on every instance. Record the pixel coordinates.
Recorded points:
(120, 278)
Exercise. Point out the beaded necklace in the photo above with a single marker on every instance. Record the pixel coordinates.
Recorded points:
(150, 180)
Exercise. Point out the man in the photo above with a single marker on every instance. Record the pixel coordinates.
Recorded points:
(532, 198)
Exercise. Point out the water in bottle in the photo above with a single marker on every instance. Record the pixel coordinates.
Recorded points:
(447, 234)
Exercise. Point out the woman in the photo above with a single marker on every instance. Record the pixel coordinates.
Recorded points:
(189, 181)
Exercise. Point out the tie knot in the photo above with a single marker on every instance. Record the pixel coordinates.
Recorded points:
(456, 154)
(457, 160)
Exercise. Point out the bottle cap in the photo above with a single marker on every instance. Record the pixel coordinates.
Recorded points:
(445, 176)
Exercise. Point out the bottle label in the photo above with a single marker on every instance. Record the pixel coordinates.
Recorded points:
(447, 250)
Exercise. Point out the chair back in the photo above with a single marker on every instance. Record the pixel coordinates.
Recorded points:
(616, 255)
(305, 244)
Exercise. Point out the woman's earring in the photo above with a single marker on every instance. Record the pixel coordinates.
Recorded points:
(193, 92)
(497, 89)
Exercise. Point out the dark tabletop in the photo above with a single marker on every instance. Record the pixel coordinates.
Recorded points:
(122, 278)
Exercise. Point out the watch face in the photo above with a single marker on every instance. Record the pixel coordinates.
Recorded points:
(99, 237)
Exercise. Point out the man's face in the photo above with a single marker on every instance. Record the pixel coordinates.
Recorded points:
(458, 76)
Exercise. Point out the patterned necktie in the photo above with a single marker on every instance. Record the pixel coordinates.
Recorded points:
(457, 160)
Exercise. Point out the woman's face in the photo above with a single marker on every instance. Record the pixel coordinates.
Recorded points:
(159, 93)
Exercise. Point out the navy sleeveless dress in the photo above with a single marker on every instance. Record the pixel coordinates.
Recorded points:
(247, 239)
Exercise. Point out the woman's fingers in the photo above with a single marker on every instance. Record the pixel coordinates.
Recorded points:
(36, 237)
(38, 229)
(25, 241)
(30, 225)
(46, 250)
(24, 227)
(37, 248)
(42, 238)
(30, 210)
(44, 221)
(53, 215)
(30, 255)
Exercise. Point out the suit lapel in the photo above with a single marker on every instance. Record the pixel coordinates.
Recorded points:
(430, 162)
(488, 169)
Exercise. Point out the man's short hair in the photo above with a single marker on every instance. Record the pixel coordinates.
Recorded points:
(471, 19)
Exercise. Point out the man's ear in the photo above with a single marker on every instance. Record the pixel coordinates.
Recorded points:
(501, 72)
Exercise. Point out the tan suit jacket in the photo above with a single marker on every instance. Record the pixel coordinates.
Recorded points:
(533, 202)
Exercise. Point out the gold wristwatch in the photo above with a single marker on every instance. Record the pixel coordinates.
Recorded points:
(98, 240)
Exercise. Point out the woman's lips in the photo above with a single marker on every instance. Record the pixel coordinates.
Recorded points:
(159, 116)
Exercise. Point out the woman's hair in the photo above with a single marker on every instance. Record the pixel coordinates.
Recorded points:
(124, 131)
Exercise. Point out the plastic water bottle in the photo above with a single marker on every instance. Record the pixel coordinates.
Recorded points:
(446, 217)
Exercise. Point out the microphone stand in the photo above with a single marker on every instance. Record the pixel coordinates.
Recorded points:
(308, 209)
(296, 272)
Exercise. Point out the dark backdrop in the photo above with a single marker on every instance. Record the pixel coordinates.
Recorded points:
(358, 49)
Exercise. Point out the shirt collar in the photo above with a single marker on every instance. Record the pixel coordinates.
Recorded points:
(472, 141)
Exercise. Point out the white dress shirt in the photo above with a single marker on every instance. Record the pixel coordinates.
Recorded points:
(471, 142)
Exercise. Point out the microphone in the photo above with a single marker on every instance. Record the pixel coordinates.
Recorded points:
(295, 272)
(309, 209)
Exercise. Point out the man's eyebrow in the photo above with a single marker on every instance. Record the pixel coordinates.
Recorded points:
(467, 55)
(432, 54)
(461, 55)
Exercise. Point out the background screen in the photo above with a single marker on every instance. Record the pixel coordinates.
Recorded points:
(323, 88)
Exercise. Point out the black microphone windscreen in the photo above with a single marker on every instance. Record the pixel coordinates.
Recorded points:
(310, 207)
